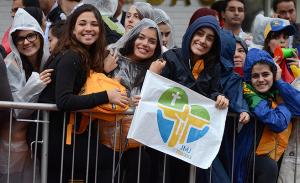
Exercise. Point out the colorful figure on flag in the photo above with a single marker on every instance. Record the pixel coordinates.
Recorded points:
(178, 121)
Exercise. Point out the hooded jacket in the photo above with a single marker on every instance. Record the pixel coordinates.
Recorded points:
(178, 64)
(231, 82)
(273, 128)
(24, 90)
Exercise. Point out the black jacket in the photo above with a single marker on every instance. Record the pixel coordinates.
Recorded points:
(207, 83)
(55, 15)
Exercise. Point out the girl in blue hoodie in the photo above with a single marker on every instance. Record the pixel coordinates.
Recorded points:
(273, 102)
(197, 66)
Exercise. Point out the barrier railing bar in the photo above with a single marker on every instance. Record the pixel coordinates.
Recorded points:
(74, 147)
(164, 171)
(296, 162)
(210, 173)
(233, 148)
(44, 159)
(32, 121)
(192, 178)
(9, 144)
(35, 147)
(88, 150)
(97, 149)
(139, 164)
(114, 153)
(254, 151)
(25, 105)
(121, 150)
(62, 148)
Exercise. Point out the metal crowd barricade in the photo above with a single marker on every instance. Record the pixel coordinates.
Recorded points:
(46, 108)
(45, 121)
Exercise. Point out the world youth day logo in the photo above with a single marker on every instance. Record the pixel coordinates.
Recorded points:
(179, 122)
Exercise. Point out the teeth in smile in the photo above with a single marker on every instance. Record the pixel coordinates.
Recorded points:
(143, 50)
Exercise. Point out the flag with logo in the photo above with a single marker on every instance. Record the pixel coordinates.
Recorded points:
(178, 121)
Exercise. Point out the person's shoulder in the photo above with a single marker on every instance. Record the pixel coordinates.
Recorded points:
(173, 53)
(71, 53)
(70, 57)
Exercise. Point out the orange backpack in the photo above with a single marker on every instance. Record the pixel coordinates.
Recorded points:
(97, 82)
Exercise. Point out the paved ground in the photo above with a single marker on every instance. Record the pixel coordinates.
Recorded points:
(5, 19)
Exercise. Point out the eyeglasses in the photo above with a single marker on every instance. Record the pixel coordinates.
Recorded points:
(30, 37)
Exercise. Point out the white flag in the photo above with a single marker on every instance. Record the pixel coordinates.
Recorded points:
(178, 121)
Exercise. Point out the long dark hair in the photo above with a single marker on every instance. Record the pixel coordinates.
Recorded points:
(128, 48)
(266, 45)
(27, 65)
(94, 56)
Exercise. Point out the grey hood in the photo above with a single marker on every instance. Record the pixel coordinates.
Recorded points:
(24, 21)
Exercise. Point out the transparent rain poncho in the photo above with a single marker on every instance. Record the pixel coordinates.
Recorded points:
(132, 72)
(161, 17)
(145, 9)
(24, 90)
(107, 8)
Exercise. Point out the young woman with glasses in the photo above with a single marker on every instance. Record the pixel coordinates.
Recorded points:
(26, 83)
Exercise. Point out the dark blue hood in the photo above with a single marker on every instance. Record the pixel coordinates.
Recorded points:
(230, 81)
(255, 55)
(228, 44)
(205, 21)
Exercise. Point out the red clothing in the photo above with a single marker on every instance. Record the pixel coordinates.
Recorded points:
(5, 41)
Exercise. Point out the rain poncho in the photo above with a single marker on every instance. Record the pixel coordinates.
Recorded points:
(107, 8)
(21, 165)
(131, 72)
(161, 17)
(24, 90)
(145, 9)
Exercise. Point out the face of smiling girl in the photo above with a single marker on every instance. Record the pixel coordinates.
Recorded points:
(202, 41)
(28, 43)
(262, 77)
(145, 44)
(86, 29)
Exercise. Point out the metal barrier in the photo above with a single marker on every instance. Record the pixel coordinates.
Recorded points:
(116, 164)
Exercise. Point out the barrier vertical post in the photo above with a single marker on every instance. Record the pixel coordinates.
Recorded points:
(192, 178)
(44, 156)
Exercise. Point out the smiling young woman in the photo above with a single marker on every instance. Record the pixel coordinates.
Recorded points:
(27, 81)
(197, 66)
(136, 50)
(273, 102)
(80, 50)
